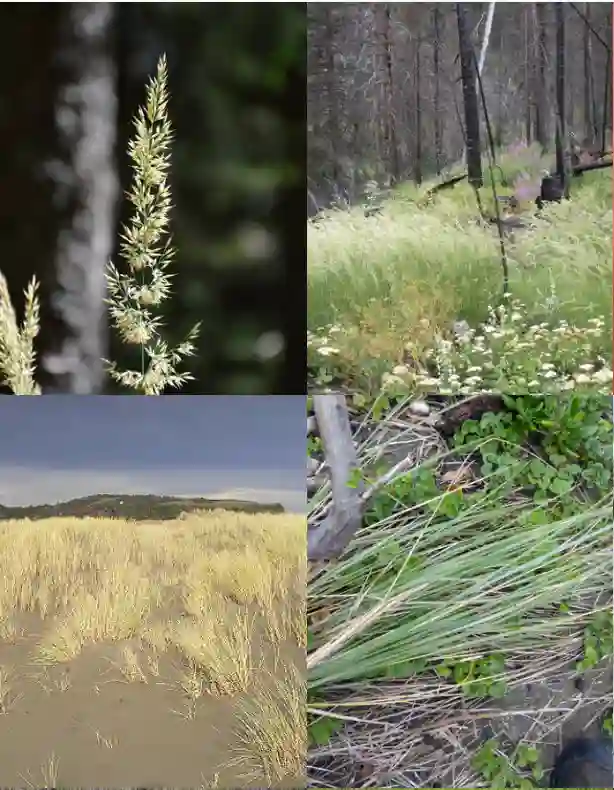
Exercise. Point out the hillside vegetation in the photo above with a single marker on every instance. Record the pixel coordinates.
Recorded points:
(134, 506)
(406, 293)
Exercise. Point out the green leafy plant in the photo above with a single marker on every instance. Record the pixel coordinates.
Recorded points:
(556, 448)
(314, 445)
(482, 677)
(321, 729)
(405, 490)
(556, 452)
(597, 642)
(527, 756)
(522, 770)
(606, 723)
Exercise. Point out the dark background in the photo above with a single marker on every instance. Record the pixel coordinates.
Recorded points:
(237, 105)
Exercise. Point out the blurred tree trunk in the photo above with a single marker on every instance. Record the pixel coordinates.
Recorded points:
(437, 79)
(84, 192)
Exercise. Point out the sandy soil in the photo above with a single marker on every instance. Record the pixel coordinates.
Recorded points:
(134, 653)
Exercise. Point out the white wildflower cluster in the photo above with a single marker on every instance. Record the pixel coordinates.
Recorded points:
(322, 344)
(507, 353)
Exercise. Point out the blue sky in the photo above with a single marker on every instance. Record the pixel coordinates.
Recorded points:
(51, 446)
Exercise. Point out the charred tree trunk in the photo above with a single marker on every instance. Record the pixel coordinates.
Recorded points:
(392, 133)
(418, 151)
(470, 97)
(437, 78)
(331, 95)
(498, 134)
(607, 97)
(561, 127)
(541, 94)
(588, 121)
(85, 189)
(528, 81)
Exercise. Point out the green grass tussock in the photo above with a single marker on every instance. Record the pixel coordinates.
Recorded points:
(474, 601)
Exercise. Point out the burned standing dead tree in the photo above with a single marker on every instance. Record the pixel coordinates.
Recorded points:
(470, 98)
(541, 93)
(561, 127)
(437, 24)
(521, 90)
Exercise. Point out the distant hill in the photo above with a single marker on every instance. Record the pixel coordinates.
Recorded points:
(140, 507)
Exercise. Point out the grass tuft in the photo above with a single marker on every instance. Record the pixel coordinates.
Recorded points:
(483, 570)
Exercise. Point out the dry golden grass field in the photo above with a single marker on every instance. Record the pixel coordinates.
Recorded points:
(157, 653)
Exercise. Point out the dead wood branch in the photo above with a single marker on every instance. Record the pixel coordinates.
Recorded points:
(327, 539)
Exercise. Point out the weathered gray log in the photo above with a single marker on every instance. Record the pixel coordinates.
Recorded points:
(328, 539)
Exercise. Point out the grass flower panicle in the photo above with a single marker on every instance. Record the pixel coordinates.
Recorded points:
(134, 296)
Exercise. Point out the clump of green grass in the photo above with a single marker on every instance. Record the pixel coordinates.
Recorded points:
(386, 290)
(135, 295)
(452, 593)
(522, 769)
